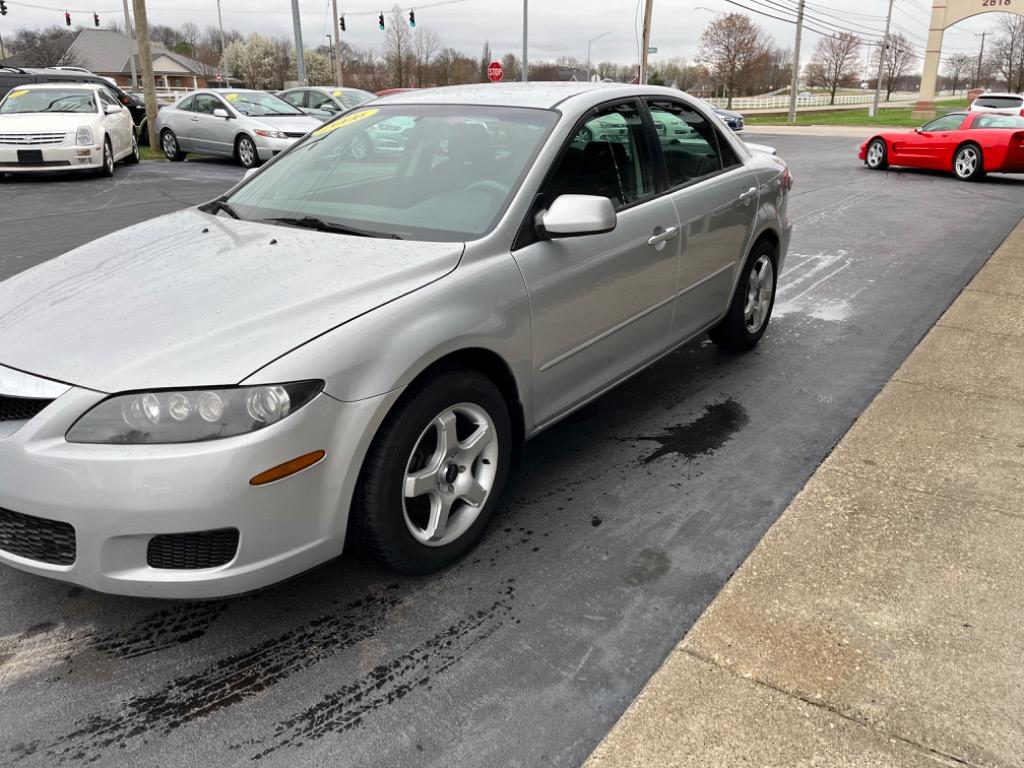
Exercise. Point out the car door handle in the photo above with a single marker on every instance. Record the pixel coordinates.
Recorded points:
(195, 119)
(749, 195)
(661, 237)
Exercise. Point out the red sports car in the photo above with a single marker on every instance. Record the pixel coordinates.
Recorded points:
(970, 144)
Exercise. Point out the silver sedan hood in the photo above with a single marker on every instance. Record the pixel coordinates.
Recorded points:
(190, 299)
(288, 123)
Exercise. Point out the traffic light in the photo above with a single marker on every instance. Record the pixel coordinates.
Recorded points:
(380, 22)
(67, 18)
(3, 8)
(95, 18)
(412, 19)
(341, 20)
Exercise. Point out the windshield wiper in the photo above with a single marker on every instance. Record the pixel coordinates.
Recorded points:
(220, 204)
(312, 222)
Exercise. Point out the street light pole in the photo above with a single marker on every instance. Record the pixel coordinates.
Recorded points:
(337, 45)
(526, 66)
(795, 82)
(591, 40)
(131, 46)
(881, 61)
(648, 10)
(981, 53)
(220, 23)
(300, 54)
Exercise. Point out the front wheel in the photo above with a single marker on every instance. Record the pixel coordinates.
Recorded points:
(747, 318)
(133, 157)
(248, 157)
(877, 158)
(434, 474)
(107, 169)
(967, 163)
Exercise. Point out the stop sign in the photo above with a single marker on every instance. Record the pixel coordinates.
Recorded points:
(495, 71)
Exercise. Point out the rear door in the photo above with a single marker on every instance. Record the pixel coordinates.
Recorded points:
(715, 197)
(179, 119)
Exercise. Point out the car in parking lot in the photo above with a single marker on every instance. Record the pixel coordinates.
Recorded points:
(968, 144)
(733, 119)
(999, 103)
(76, 127)
(218, 399)
(324, 103)
(248, 125)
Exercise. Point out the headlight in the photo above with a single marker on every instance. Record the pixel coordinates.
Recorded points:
(190, 415)
(84, 136)
(270, 134)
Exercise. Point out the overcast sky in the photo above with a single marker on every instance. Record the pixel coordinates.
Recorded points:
(556, 27)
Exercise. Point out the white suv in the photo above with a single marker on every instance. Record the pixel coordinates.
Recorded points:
(999, 103)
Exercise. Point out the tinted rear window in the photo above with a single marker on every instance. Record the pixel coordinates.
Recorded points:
(999, 102)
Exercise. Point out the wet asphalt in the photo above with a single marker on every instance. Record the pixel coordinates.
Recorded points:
(620, 525)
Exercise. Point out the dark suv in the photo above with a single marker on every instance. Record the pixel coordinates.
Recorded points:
(12, 77)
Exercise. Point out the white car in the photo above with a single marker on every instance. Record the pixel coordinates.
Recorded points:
(999, 104)
(66, 126)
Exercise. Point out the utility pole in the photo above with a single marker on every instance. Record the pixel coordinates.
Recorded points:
(977, 77)
(881, 61)
(337, 44)
(795, 81)
(220, 23)
(3, 56)
(131, 47)
(300, 53)
(648, 10)
(591, 40)
(146, 59)
(526, 66)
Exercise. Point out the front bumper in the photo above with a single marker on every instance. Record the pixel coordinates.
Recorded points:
(266, 147)
(56, 157)
(118, 497)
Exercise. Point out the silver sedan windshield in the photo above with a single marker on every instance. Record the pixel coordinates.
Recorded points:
(442, 173)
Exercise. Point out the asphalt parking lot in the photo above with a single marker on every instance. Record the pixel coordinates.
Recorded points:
(619, 527)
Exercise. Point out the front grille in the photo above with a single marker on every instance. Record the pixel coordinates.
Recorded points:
(36, 538)
(188, 551)
(34, 139)
(20, 408)
(294, 135)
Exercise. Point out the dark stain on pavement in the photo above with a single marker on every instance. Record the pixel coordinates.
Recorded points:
(163, 629)
(387, 683)
(646, 566)
(702, 436)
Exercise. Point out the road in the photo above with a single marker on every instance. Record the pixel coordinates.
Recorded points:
(619, 527)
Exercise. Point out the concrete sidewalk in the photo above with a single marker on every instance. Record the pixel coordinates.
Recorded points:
(881, 620)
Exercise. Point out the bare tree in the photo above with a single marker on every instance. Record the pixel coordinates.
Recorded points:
(50, 47)
(512, 68)
(836, 61)
(191, 35)
(398, 53)
(731, 47)
(958, 68)
(897, 62)
(485, 60)
(425, 44)
(1006, 57)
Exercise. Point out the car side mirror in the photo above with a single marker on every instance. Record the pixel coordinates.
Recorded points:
(111, 109)
(221, 112)
(576, 215)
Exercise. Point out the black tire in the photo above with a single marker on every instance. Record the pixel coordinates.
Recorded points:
(882, 161)
(169, 144)
(134, 157)
(246, 153)
(379, 518)
(107, 169)
(734, 331)
(969, 156)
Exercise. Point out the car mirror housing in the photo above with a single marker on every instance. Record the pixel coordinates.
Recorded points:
(249, 172)
(577, 215)
(221, 112)
(111, 109)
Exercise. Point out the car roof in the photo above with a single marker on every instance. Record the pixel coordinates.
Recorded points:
(61, 86)
(542, 95)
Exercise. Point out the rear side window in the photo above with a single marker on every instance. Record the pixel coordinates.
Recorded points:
(689, 142)
(999, 102)
(998, 121)
(294, 97)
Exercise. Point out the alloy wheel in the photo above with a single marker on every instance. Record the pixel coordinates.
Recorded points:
(760, 291)
(450, 474)
(169, 144)
(108, 159)
(966, 162)
(246, 153)
(875, 154)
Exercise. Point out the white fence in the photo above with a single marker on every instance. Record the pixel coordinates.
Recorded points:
(813, 99)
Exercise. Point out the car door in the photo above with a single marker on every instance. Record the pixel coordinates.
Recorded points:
(211, 135)
(715, 197)
(601, 304)
(939, 139)
(117, 125)
(179, 119)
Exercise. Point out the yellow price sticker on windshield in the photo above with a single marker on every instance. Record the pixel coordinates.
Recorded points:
(231, 96)
(16, 94)
(336, 92)
(355, 117)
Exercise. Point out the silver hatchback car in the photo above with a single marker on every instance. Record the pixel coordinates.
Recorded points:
(250, 126)
(341, 349)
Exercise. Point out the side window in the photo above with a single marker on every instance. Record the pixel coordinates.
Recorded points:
(689, 142)
(608, 157)
(944, 123)
(318, 100)
(188, 104)
(106, 99)
(205, 103)
(294, 98)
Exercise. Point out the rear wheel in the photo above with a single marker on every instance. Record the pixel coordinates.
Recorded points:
(169, 144)
(434, 474)
(877, 158)
(967, 163)
(747, 319)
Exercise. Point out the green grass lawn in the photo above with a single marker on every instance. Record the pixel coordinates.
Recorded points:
(148, 153)
(898, 117)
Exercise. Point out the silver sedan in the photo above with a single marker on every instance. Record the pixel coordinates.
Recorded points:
(339, 350)
(250, 126)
